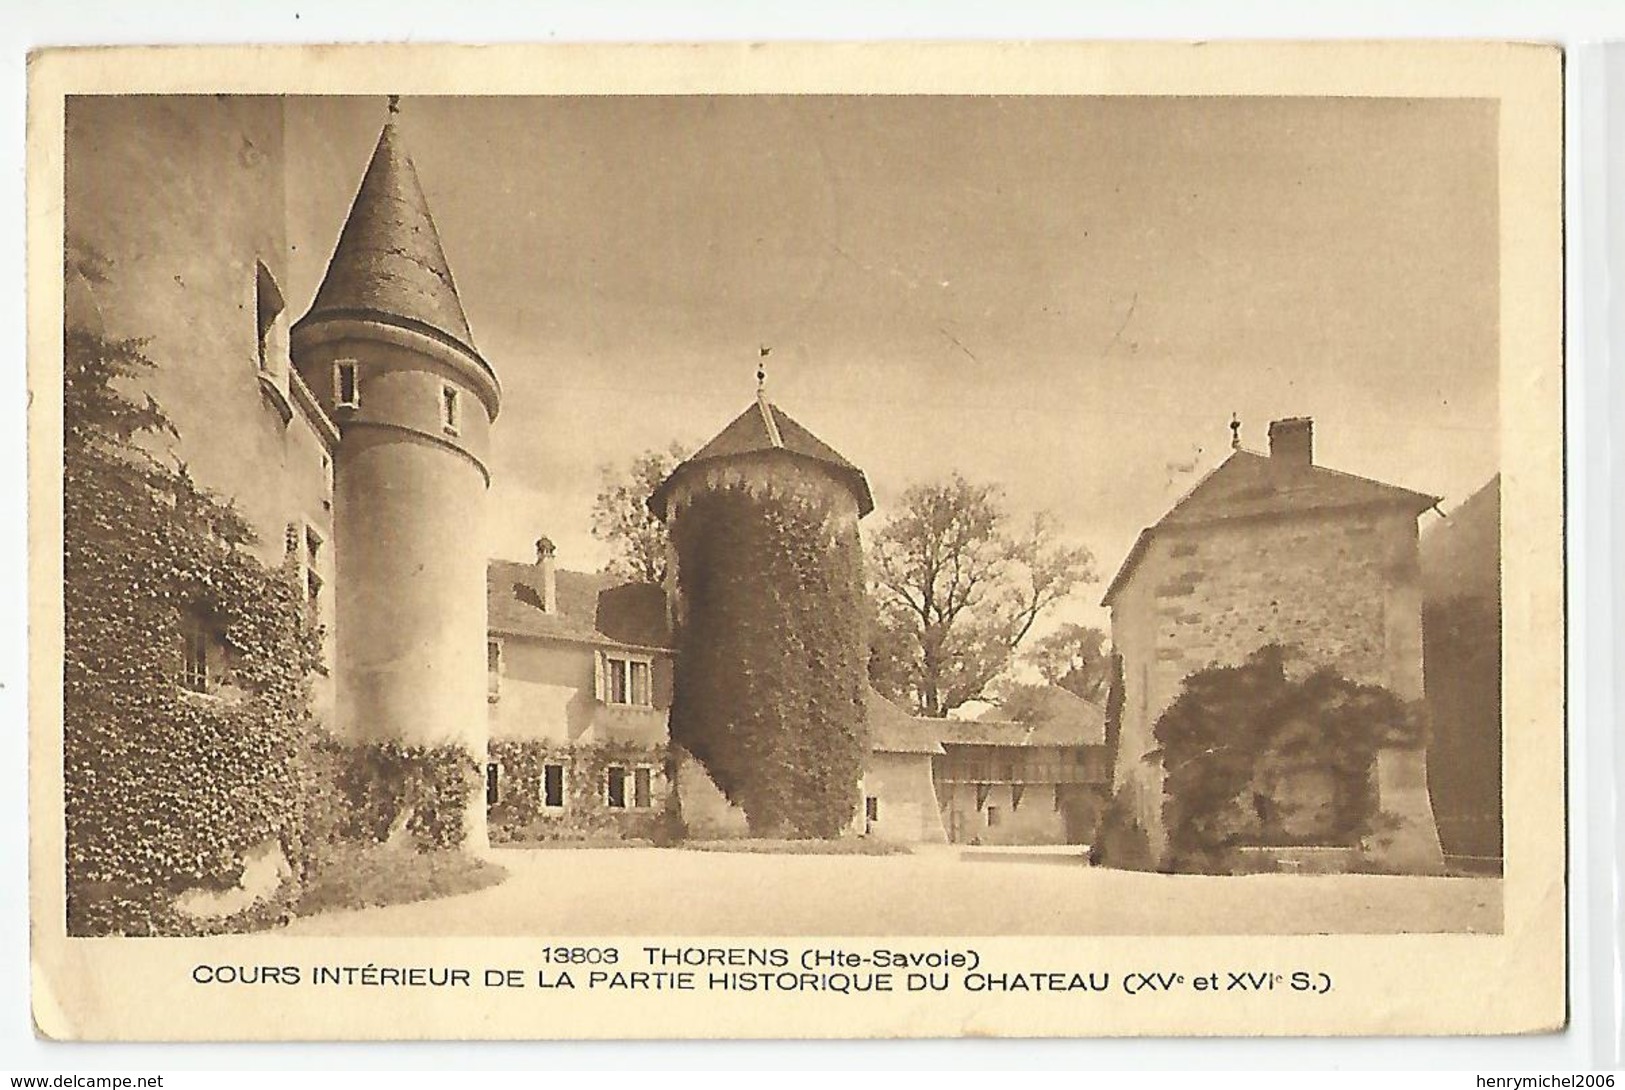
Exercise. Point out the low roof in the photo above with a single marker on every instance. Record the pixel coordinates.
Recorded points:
(592, 608)
(1056, 717)
(893, 730)
(1249, 485)
(764, 427)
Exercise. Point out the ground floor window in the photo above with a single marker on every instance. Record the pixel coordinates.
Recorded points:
(992, 816)
(871, 808)
(553, 786)
(628, 787)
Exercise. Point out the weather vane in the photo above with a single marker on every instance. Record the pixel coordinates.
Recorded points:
(394, 104)
(1235, 432)
(761, 368)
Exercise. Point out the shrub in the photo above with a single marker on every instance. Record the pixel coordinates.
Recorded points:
(772, 655)
(1237, 738)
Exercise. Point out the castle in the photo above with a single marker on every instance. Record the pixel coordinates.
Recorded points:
(357, 442)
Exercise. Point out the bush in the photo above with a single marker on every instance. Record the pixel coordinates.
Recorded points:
(1239, 744)
(771, 660)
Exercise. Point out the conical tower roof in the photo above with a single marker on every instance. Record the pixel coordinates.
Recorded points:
(389, 265)
(766, 427)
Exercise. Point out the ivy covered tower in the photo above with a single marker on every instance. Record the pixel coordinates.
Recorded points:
(387, 349)
(766, 586)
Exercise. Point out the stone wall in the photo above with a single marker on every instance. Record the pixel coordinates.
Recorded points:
(905, 800)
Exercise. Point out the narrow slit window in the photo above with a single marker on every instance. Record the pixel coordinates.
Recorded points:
(451, 411)
(346, 385)
(642, 788)
(493, 784)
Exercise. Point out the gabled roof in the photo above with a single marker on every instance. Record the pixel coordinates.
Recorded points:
(1057, 718)
(389, 265)
(765, 427)
(591, 609)
(1248, 485)
(893, 730)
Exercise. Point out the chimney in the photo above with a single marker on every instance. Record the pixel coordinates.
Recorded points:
(550, 577)
(1292, 441)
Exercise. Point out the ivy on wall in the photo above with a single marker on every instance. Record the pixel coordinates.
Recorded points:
(167, 789)
(772, 655)
(519, 814)
(389, 792)
(1252, 756)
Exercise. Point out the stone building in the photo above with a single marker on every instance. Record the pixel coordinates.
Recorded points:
(1274, 549)
(1042, 780)
(355, 442)
(387, 348)
(206, 294)
(578, 684)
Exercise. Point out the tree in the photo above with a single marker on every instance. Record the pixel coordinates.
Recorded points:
(621, 515)
(1076, 658)
(957, 591)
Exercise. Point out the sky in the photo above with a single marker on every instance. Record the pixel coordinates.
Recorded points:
(1067, 296)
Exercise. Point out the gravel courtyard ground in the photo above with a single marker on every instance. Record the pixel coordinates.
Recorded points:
(647, 891)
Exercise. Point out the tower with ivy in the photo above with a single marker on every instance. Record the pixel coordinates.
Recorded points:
(387, 348)
(765, 583)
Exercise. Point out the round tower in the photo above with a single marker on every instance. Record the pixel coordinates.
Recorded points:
(766, 586)
(387, 351)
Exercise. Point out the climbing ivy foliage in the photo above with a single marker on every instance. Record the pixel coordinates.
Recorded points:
(519, 814)
(166, 789)
(772, 655)
(1244, 747)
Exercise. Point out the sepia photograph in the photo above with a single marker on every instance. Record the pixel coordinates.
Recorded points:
(593, 516)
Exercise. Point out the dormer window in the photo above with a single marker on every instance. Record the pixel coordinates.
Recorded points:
(451, 410)
(346, 385)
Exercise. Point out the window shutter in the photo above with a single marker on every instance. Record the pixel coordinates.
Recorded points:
(598, 676)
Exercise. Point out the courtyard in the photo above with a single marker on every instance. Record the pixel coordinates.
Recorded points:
(943, 890)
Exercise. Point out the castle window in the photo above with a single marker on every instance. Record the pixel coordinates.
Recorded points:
(195, 641)
(493, 784)
(273, 322)
(346, 385)
(615, 787)
(992, 816)
(493, 669)
(871, 808)
(451, 411)
(327, 476)
(642, 788)
(553, 786)
(627, 681)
